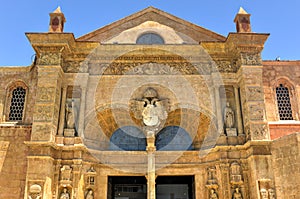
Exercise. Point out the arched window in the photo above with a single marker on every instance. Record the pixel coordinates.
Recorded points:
(150, 38)
(16, 102)
(173, 138)
(128, 138)
(284, 102)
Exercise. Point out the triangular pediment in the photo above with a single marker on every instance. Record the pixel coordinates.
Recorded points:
(173, 29)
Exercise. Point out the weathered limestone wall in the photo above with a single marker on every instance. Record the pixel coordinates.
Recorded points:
(286, 165)
(13, 161)
(288, 73)
(9, 76)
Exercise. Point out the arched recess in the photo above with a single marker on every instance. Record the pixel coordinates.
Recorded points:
(285, 98)
(128, 138)
(173, 138)
(17, 92)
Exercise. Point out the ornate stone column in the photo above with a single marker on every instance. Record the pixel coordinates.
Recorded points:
(238, 111)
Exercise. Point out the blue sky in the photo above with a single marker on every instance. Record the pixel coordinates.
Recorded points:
(279, 18)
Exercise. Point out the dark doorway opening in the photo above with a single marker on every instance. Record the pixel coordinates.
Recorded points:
(127, 187)
(175, 187)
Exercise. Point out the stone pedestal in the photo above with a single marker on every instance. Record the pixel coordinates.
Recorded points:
(69, 132)
(231, 132)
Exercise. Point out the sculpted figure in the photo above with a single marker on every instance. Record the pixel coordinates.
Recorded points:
(89, 195)
(71, 115)
(237, 194)
(271, 193)
(64, 194)
(228, 116)
(213, 194)
(264, 193)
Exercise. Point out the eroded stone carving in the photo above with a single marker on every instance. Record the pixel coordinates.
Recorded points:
(228, 116)
(43, 113)
(251, 59)
(91, 176)
(65, 174)
(45, 94)
(71, 114)
(263, 193)
(254, 93)
(35, 192)
(259, 131)
(64, 194)
(150, 108)
(50, 59)
(235, 174)
(237, 194)
(211, 175)
(271, 193)
(89, 194)
(213, 194)
(256, 112)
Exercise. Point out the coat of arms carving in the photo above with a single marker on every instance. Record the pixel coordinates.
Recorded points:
(150, 108)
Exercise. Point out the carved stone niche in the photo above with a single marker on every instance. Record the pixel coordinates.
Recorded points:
(72, 108)
(90, 177)
(236, 174)
(211, 178)
(65, 175)
(35, 192)
(266, 189)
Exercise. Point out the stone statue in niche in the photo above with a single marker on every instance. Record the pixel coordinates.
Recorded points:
(64, 194)
(150, 108)
(237, 194)
(229, 120)
(263, 193)
(228, 116)
(90, 194)
(71, 114)
(35, 192)
(271, 193)
(213, 194)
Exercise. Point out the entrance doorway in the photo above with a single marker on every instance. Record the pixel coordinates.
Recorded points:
(127, 187)
(175, 187)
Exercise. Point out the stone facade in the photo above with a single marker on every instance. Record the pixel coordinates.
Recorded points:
(150, 106)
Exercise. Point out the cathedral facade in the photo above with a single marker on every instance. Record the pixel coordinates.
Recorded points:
(150, 107)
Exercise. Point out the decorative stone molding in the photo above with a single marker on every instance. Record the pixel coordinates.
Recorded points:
(236, 177)
(90, 177)
(254, 93)
(256, 111)
(258, 131)
(65, 175)
(45, 94)
(251, 59)
(49, 58)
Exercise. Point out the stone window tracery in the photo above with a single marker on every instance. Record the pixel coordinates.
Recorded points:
(16, 102)
(285, 98)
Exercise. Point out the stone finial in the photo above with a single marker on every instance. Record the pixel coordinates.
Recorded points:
(242, 21)
(57, 21)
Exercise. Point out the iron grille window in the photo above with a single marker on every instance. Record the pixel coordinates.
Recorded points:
(17, 104)
(284, 103)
